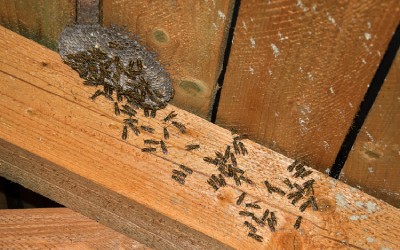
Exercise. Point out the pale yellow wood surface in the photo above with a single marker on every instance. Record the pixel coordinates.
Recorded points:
(57, 228)
(56, 141)
(40, 20)
(373, 164)
(189, 38)
(299, 69)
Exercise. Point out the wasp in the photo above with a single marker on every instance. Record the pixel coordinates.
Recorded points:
(130, 121)
(147, 129)
(241, 198)
(216, 180)
(299, 172)
(236, 147)
(265, 215)
(305, 174)
(258, 221)
(313, 203)
(179, 126)
(134, 129)
(298, 187)
(178, 179)
(212, 184)
(253, 205)
(257, 237)
(222, 170)
(222, 180)
(246, 213)
(250, 226)
(233, 160)
(163, 147)
(166, 133)
(227, 153)
(298, 222)
(114, 45)
(273, 218)
(237, 179)
(170, 116)
(129, 110)
(96, 94)
(139, 64)
(146, 112)
(219, 155)
(288, 183)
(292, 166)
(305, 205)
(245, 179)
(149, 149)
(125, 132)
(192, 147)
(153, 113)
(243, 148)
(210, 160)
(151, 141)
(116, 109)
(308, 186)
(179, 173)
(271, 225)
(296, 198)
(186, 169)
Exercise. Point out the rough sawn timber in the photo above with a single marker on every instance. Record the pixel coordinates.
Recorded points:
(55, 141)
(57, 228)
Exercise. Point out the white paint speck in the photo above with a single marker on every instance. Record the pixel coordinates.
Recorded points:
(385, 248)
(310, 76)
(354, 217)
(275, 50)
(251, 70)
(369, 25)
(327, 170)
(363, 61)
(251, 19)
(221, 15)
(215, 26)
(364, 217)
(276, 114)
(244, 25)
(370, 239)
(371, 207)
(371, 170)
(369, 136)
(301, 5)
(351, 104)
(331, 90)
(326, 145)
(314, 7)
(281, 37)
(252, 43)
(330, 18)
(341, 200)
(270, 72)
(379, 53)
(367, 36)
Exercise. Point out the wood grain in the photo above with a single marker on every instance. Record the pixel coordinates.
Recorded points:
(373, 163)
(298, 71)
(57, 228)
(55, 141)
(39, 20)
(189, 38)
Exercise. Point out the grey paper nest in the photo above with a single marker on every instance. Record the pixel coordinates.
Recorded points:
(112, 57)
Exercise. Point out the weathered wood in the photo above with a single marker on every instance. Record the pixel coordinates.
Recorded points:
(40, 20)
(189, 38)
(298, 71)
(373, 163)
(57, 228)
(57, 142)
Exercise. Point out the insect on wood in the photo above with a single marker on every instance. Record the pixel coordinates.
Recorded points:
(257, 237)
(186, 169)
(179, 126)
(297, 223)
(192, 147)
(250, 226)
(163, 147)
(124, 132)
(166, 133)
(149, 150)
(240, 199)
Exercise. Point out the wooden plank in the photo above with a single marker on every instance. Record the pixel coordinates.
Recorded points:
(57, 228)
(298, 71)
(373, 162)
(40, 20)
(189, 38)
(59, 143)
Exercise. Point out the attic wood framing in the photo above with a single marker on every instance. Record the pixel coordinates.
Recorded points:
(55, 141)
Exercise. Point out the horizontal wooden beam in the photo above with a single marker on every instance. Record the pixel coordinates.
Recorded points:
(59, 143)
(56, 228)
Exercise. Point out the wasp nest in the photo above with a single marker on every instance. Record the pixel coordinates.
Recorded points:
(113, 58)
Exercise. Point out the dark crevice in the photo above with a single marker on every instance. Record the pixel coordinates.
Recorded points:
(366, 104)
(221, 77)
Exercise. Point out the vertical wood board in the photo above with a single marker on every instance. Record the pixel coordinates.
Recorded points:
(39, 20)
(298, 71)
(189, 38)
(373, 164)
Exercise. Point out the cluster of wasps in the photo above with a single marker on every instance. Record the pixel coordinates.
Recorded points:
(99, 69)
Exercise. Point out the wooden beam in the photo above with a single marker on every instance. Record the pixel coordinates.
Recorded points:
(55, 228)
(59, 143)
